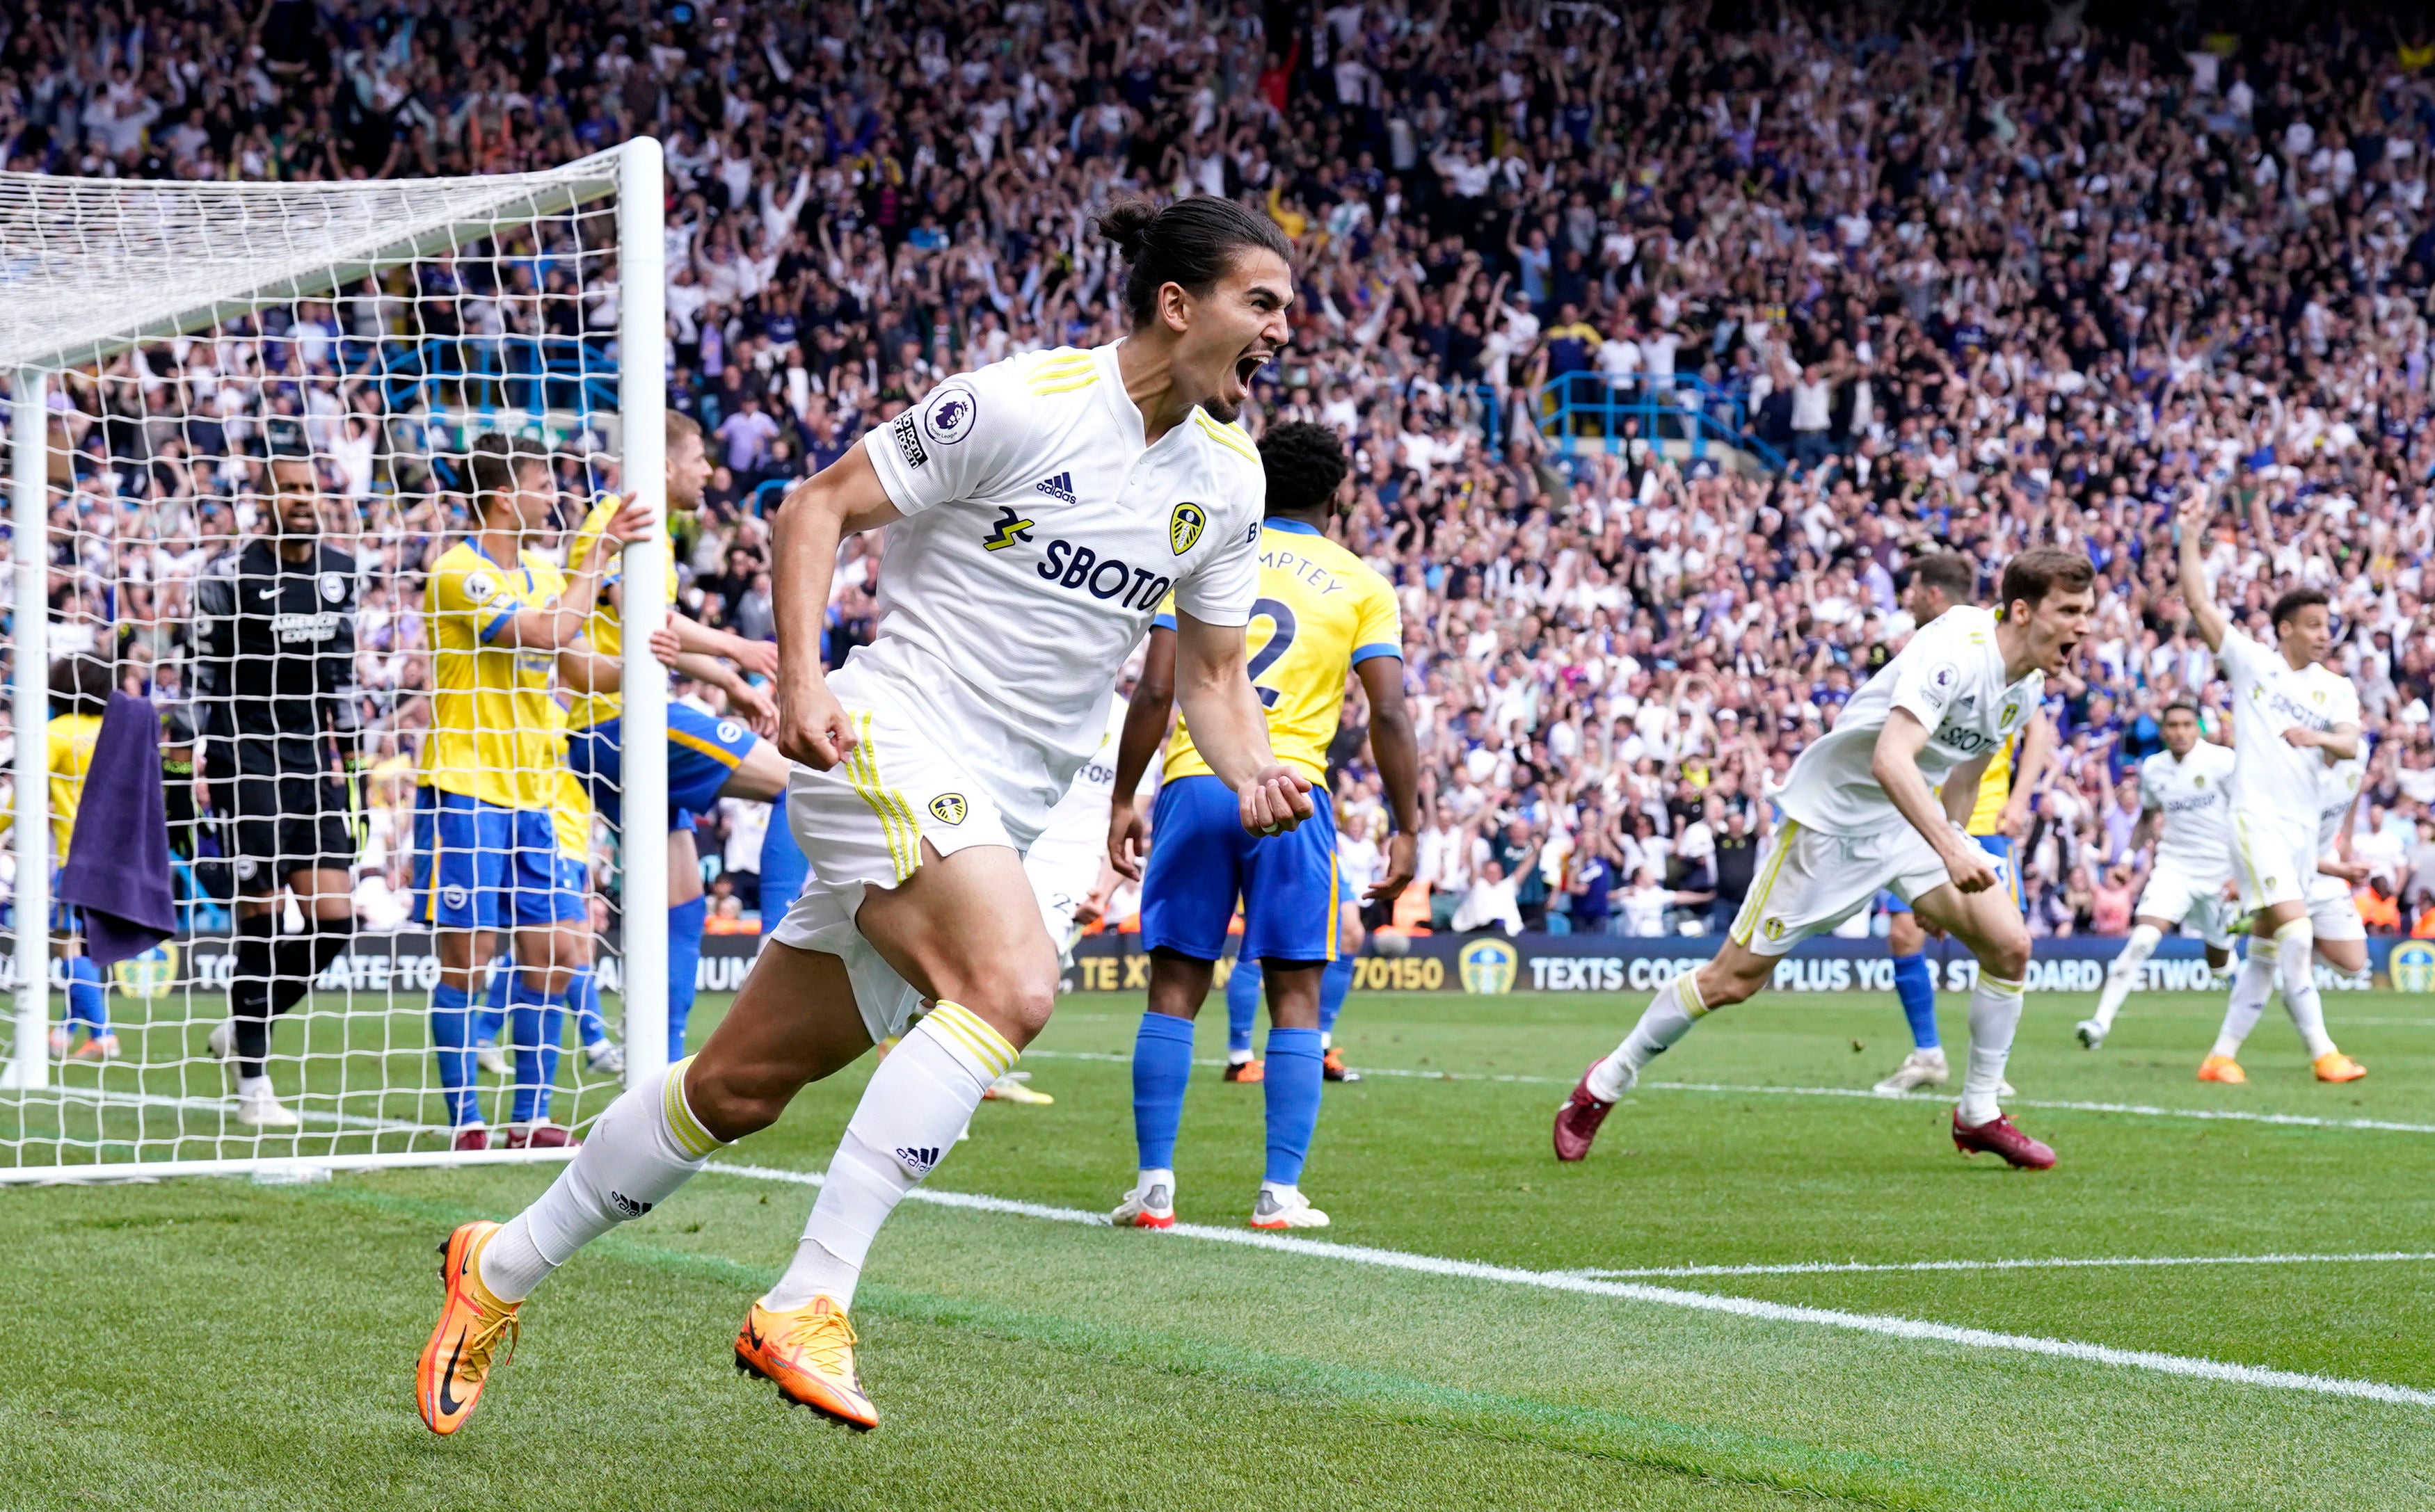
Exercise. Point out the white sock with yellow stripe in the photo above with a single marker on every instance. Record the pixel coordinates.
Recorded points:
(919, 1100)
(645, 1147)
(1668, 1019)
(1995, 1014)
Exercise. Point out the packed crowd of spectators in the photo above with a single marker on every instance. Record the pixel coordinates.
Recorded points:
(1979, 284)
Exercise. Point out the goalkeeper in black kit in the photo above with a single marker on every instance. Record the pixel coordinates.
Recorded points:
(276, 706)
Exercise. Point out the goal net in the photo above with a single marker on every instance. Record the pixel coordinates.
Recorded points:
(297, 472)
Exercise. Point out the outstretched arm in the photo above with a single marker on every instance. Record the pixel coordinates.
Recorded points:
(2190, 524)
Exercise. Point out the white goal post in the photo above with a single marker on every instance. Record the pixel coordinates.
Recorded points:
(163, 344)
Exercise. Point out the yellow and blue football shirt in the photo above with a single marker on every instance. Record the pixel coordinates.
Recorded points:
(1321, 613)
(497, 733)
(603, 629)
(70, 740)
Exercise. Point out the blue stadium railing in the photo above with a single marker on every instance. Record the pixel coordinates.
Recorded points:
(528, 373)
(1576, 410)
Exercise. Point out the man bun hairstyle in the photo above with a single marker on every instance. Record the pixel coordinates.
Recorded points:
(1190, 243)
(1949, 572)
(2042, 570)
(495, 460)
(1306, 464)
(2287, 607)
(79, 685)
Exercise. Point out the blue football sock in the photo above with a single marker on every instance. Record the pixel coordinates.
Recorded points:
(685, 966)
(1915, 983)
(1334, 983)
(1296, 1070)
(492, 1015)
(452, 1026)
(536, 1023)
(1242, 1005)
(583, 996)
(88, 1000)
(782, 867)
(1161, 1066)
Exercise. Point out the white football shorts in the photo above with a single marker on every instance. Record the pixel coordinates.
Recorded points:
(861, 824)
(2184, 896)
(1808, 883)
(2333, 912)
(2274, 855)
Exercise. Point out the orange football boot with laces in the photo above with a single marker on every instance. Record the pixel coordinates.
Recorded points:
(809, 1354)
(475, 1329)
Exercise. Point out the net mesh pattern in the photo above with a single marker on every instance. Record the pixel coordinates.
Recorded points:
(263, 405)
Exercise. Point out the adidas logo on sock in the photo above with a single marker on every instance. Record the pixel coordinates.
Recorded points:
(627, 1205)
(918, 1161)
(1060, 488)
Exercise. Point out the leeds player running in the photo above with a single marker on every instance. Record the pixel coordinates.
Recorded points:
(275, 676)
(1861, 812)
(1998, 819)
(2290, 715)
(2189, 784)
(931, 760)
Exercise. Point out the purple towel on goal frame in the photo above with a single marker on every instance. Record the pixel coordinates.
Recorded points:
(118, 854)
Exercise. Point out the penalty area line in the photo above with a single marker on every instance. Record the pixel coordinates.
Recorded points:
(1881, 1325)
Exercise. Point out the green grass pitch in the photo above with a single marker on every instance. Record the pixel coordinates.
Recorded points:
(210, 1344)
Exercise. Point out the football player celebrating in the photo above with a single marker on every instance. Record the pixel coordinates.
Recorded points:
(1996, 820)
(1861, 812)
(1041, 509)
(2291, 717)
(1327, 615)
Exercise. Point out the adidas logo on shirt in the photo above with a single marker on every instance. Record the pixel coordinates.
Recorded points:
(918, 1161)
(1060, 488)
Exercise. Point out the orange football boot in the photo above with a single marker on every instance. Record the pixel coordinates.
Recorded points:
(466, 1345)
(2223, 1069)
(809, 1354)
(2334, 1066)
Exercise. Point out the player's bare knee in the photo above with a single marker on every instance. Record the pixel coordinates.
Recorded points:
(732, 1101)
(1017, 1004)
(2005, 955)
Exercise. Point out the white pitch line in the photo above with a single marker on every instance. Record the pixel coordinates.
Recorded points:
(1884, 1326)
(226, 1107)
(1820, 1267)
(2135, 1110)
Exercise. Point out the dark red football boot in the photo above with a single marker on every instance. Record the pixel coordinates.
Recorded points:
(1577, 1121)
(1999, 1136)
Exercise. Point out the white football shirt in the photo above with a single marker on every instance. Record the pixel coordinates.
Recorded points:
(1040, 533)
(2194, 795)
(2270, 776)
(2336, 790)
(1951, 678)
